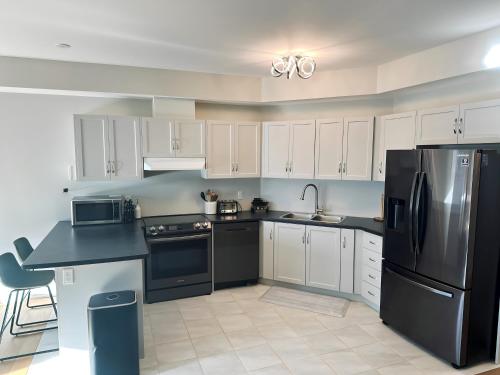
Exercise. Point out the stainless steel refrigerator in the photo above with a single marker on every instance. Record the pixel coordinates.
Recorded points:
(441, 250)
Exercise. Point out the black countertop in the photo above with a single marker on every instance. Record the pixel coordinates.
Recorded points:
(350, 222)
(71, 246)
(66, 245)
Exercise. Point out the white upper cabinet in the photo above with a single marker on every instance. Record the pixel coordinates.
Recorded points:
(189, 138)
(107, 148)
(323, 257)
(301, 154)
(158, 137)
(437, 126)
(233, 149)
(125, 148)
(92, 147)
(479, 122)
(247, 147)
(397, 133)
(289, 253)
(220, 144)
(288, 149)
(329, 134)
(276, 145)
(357, 148)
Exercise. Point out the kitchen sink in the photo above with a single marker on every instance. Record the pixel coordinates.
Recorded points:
(334, 219)
(297, 216)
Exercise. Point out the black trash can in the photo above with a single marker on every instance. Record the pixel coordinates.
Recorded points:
(113, 333)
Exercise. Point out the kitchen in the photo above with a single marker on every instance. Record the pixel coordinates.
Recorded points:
(243, 137)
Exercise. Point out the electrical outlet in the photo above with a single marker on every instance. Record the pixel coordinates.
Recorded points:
(68, 276)
(240, 194)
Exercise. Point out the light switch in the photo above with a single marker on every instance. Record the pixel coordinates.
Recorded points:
(68, 276)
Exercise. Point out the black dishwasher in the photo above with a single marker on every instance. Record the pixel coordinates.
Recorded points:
(236, 253)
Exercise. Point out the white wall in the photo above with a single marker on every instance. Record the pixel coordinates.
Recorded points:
(37, 147)
(353, 198)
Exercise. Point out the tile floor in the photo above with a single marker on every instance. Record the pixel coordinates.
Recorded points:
(232, 332)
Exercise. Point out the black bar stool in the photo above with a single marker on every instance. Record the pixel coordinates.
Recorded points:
(24, 250)
(19, 280)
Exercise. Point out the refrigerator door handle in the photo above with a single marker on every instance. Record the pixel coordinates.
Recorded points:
(419, 285)
(418, 207)
(411, 211)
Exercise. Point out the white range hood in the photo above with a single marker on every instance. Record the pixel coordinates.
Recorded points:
(174, 164)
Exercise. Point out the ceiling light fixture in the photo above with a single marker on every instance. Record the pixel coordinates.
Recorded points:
(303, 65)
(63, 45)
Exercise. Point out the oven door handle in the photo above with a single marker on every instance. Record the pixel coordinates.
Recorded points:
(181, 238)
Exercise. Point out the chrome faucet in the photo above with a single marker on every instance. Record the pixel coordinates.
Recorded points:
(317, 210)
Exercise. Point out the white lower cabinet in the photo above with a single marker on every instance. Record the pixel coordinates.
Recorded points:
(290, 253)
(347, 243)
(371, 266)
(323, 257)
(266, 259)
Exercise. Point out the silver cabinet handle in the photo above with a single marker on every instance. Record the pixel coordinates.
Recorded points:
(286, 167)
(113, 165)
(236, 167)
(177, 145)
(344, 242)
(343, 171)
(455, 126)
(340, 167)
(460, 126)
(372, 260)
(308, 238)
(291, 167)
(107, 167)
(173, 145)
(271, 234)
(371, 242)
(371, 276)
(371, 294)
(380, 168)
(232, 167)
(303, 239)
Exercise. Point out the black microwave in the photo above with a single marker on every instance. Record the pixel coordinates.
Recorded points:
(98, 209)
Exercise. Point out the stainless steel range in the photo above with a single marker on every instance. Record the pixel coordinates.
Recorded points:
(179, 263)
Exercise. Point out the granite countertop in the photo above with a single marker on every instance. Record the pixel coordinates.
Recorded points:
(66, 245)
(350, 222)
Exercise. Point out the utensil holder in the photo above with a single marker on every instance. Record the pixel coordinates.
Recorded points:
(211, 208)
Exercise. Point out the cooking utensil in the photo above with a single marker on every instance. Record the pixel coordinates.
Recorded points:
(202, 194)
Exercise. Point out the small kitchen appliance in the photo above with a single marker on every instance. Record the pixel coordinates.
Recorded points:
(98, 209)
(259, 205)
(227, 207)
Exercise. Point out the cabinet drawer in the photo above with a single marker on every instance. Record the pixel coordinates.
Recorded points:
(371, 293)
(372, 259)
(372, 242)
(371, 276)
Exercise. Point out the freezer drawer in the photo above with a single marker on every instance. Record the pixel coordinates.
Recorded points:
(430, 313)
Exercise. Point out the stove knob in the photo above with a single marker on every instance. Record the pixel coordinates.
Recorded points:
(197, 225)
(205, 224)
(152, 230)
(161, 229)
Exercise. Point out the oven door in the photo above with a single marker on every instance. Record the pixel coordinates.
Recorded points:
(178, 261)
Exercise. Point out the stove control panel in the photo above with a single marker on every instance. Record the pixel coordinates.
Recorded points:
(155, 230)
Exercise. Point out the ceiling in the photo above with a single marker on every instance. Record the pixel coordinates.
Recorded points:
(236, 36)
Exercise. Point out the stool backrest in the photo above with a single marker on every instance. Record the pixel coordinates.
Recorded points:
(11, 273)
(23, 247)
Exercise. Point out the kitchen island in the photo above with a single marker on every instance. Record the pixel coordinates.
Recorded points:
(89, 260)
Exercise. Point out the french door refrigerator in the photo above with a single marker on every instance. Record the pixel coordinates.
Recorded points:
(441, 250)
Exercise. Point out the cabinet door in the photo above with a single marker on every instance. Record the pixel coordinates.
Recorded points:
(276, 147)
(358, 148)
(398, 133)
(437, 126)
(266, 263)
(479, 122)
(302, 138)
(347, 260)
(125, 148)
(220, 141)
(323, 257)
(290, 253)
(190, 138)
(247, 149)
(92, 147)
(329, 149)
(157, 137)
